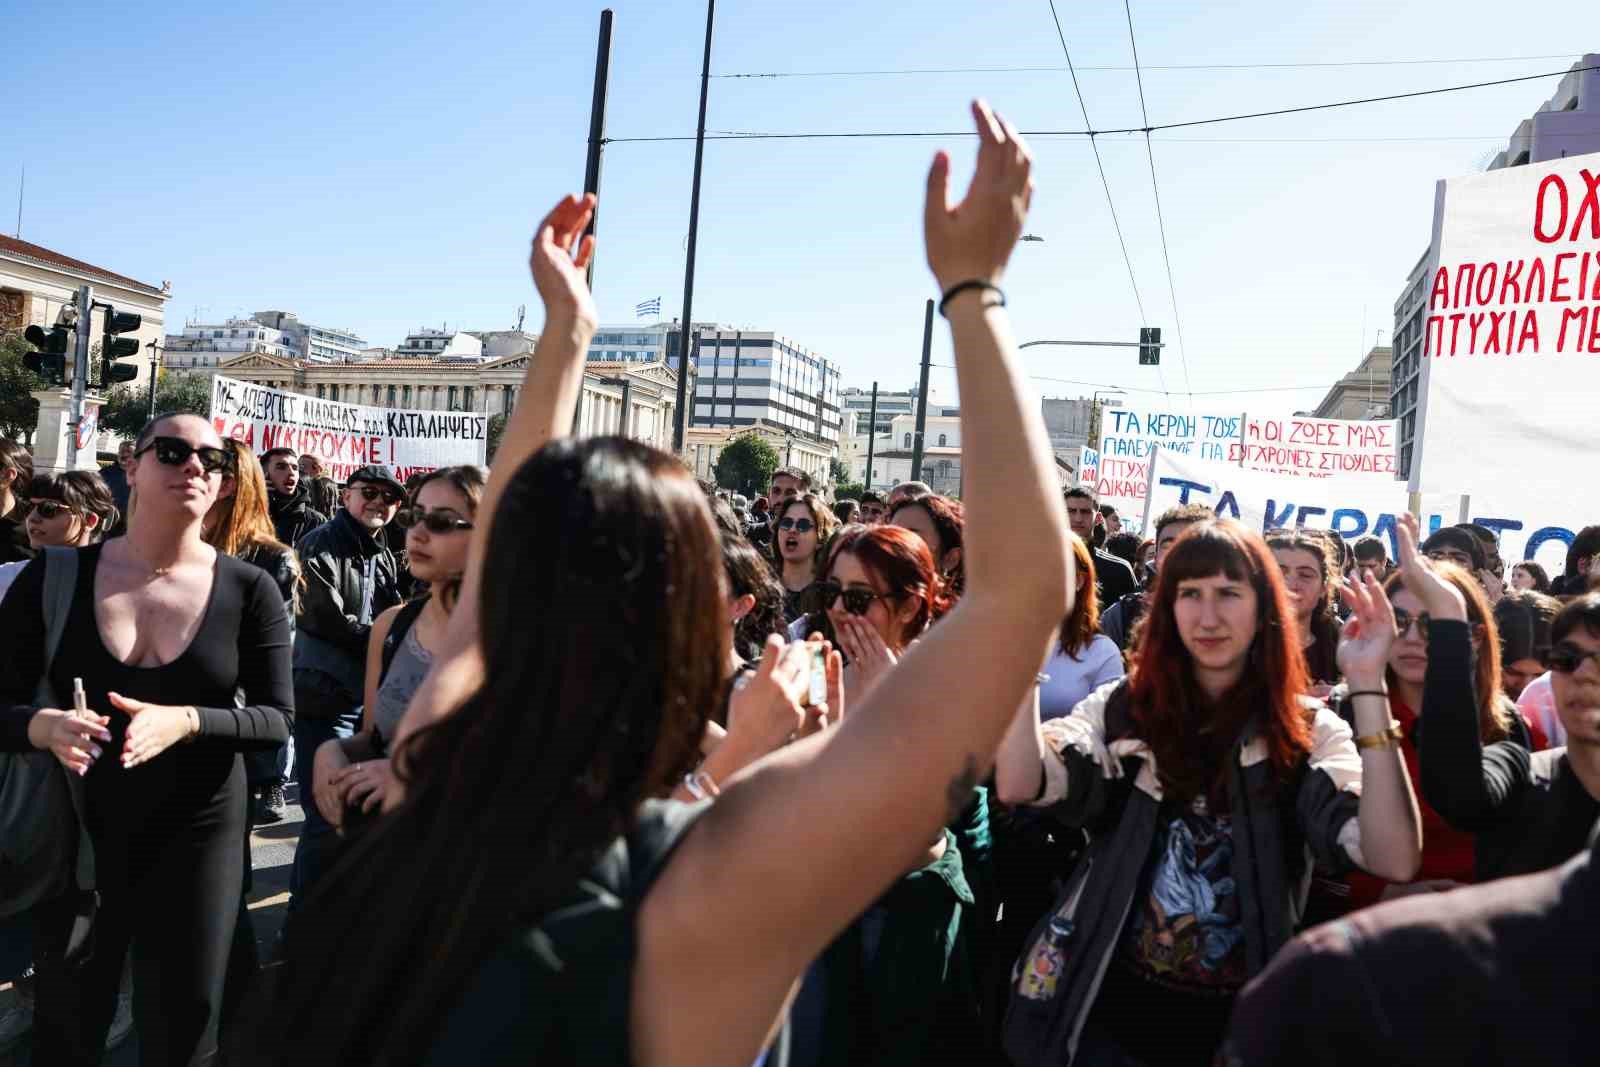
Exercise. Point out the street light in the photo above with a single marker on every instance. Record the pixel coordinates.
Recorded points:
(155, 362)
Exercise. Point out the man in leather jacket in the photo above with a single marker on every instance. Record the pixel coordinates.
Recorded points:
(350, 579)
(287, 500)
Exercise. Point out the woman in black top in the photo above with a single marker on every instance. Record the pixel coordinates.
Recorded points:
(1310, 568)
(1527, 812)
(589, 646)
(157, 616)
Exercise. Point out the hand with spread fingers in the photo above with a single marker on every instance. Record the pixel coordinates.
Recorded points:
(72, 739)
(972, 240)
(560, 255)
(153, 728)
(1367, 636)
(871, 659)
(1439, 598)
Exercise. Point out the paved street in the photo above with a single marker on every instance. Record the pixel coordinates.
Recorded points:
(271, 854)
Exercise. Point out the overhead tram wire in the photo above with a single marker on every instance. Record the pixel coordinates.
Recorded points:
(1161, 222)
(1105, 183)
(1327, 64)
(1323, 388)
(1152, 128)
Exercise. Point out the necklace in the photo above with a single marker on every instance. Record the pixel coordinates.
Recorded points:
(152, 573)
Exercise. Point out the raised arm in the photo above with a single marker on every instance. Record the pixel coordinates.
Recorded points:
(797, 846)
(549, 396)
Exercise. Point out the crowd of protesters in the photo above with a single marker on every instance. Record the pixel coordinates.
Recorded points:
(599, 766)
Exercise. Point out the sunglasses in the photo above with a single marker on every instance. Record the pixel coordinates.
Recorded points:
(439, 522)
(798, 525)
(49, 509)
(1403, 620)
(856, 601)
(369, 493)
(175, 452)
(1565, 659)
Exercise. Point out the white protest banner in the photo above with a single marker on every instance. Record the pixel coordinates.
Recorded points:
(346, 436)
(1263, 500)
(1088, 467)
(1128, 434)
(1318, 448)
(1511, 354)
(1536, 526)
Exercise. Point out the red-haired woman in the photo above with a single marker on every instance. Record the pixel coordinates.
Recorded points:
(900, 985)
(1209, 784)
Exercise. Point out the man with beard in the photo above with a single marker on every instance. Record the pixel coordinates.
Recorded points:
(292, 514)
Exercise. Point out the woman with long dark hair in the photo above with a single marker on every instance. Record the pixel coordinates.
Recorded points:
(1208, 784)
(559, 914)
(355, 772)
(158, 617)
(1084, 659)
(938, 521)
(1311, 575)
(799, 537)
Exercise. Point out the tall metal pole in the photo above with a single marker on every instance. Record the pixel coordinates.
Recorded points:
(872, 437)
(154, 363)
(681, 416)
(597, 126)
(922, 394)
(80, 371)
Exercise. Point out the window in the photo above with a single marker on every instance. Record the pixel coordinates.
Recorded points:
(942, 440)
(908, 441)
(391, 396)
(466, 397)
(451, 405)
(321, 390)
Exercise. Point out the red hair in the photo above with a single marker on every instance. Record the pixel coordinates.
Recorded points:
(902, 562)
(1192, 738)
(1082, 622)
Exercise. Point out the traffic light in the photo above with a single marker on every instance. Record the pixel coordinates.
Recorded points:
(113, 348)
(50, 362)
(1150, 346)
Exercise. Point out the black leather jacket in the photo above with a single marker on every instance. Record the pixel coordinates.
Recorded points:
(350, 579)
(293, 516)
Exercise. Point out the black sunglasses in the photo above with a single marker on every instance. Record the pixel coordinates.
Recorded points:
(1565, 658)
(48, 509)
(175, 452)
(369, 493)
(1403, 620)
(439, 522)
(798, 525)
(856, 601)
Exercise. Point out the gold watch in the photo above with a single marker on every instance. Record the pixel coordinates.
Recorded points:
(1388, 738)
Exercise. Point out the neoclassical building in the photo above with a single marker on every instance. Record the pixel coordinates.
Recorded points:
(632, 399)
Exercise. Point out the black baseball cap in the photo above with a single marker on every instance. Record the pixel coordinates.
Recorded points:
(377, 474)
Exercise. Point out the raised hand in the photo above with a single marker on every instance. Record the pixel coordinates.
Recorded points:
(974, 239)
(767, 705)
(1439, 598)
(1367, 636)
(152, 728)
(820, 717)
(870, 658)
(558, 273)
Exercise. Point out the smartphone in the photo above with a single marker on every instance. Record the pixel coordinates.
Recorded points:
(819, 676)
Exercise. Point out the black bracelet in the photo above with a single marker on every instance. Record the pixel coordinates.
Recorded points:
(961, 287)
(1366, 693)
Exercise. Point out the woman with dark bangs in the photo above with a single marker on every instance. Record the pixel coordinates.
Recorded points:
(1208, 784)
(1311, 570)
(938, 521)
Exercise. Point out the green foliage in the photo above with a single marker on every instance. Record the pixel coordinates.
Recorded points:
(19, 411)
(848, 491)
(746, 464)
(497, 429)
(838, 471)
(127, 409)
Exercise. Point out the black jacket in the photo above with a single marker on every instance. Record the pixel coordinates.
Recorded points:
(293, 516)
(1113, 578)
(350, 580)
(14, 545)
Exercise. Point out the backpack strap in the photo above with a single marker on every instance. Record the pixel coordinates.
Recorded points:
(60, 585)
(403, 621)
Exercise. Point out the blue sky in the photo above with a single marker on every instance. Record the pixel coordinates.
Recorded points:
(382, 168)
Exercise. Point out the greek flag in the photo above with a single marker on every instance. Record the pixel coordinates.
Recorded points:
(648, 308)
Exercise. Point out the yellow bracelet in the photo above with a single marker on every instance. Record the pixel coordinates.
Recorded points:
(1383, 738)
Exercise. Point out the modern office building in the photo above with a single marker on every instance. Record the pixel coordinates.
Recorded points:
(1568, 124)
(428, 343)
(745, 377)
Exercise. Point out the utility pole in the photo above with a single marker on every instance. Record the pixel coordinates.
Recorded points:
(872, 437)
(597, 129)
(155, 362)
(681, 419)
(80, 371)
(922, 394)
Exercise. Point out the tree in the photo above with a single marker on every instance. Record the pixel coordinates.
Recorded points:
(127, 409)
(497, 428)
(746, 464)
(838, 472)
(19, 411)
(848, 491)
